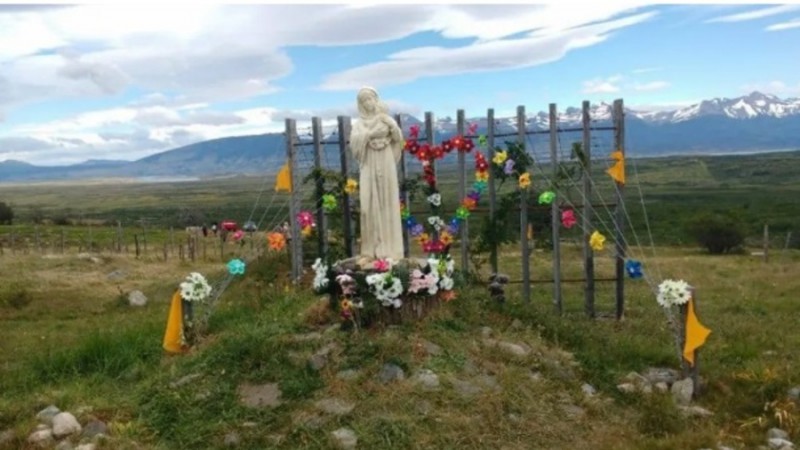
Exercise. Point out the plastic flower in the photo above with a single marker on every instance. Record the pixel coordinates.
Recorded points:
(305, 219)
(351, 186)
(306, 231)
(435, 199)
(237, 235)
(524, 180)
(500, 157)
(546, 197)
(568, 218)
(482, 175)
(596, 240)
(508, 169)
(671, 292)
(423, 238)
(195, 288)
(462, 212)
(446, 238)
(329, 202)
(236, 267)
(382, 265)
(277, 241)
(634, 268)
(320, 274)
(436, 222)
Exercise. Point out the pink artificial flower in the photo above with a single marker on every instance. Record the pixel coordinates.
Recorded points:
(238, 235)
(568, 218)
(382, 265)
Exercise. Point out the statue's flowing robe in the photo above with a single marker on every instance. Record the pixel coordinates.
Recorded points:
(379, 191)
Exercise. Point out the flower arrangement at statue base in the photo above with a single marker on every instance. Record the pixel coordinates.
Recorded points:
(386, 291)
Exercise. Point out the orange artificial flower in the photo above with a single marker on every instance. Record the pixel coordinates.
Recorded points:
(277, 241)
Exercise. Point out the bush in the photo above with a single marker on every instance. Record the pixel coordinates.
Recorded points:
(717, 233)
(6, 214)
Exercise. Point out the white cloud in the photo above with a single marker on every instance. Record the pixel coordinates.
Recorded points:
(651, 86)
(794, 23)
(602, 86)
(646, 70)
(775, 87)
(538, 47)
(755, 14)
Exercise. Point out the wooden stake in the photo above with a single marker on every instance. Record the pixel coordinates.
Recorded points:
(555, 212)
(588, 253)
(523, 215)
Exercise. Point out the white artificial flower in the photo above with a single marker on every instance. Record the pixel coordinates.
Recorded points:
(436, 222)
(446, 283)
(435, 199)
(195, 288)
(671, 292)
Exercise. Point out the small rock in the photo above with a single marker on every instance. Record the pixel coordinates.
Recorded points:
(794, 393)
(185, 380)
(347, 375)
(87, 446)
(65, 424)
(249, 424)
(535, 376)
(95, 427)
(695, 411)
(777, 433)
(319, 360)
(510, 348)
(344, 438)
(64, 445)
(427, 379)
(6, 437)
(137, 298)
(335, 406)
(517, 325)
(573, 411)
(486, 331)
(41, 438)
(588, 389)
(659, 374)
(780, 444)
(723, 447)
(465, 388)
(260, 396)
(232, 439)
(661, 387)
(116, 275)
(391, 372)
(627, 388)
(682, 391)
(431, 348)
(46, 415)
(514, 418)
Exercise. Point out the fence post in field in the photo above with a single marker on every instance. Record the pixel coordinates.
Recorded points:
(319, 182)
(462, 192)
(618, 117)
(136, 243)
(294, 202)
(429, 138)
(555, 211)
(403, 191)
(588, 253)
(347, 221)
(490, 130)
(523, 214)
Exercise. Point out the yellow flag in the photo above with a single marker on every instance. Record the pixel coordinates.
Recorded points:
(174, 331)
(284, 180)
(696, 334)
(617, 171)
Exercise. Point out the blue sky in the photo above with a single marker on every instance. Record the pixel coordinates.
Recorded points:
(105, 81)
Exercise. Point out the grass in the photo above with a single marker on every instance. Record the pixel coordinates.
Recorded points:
(70, 339)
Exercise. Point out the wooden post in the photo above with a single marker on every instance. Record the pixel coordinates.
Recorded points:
(294, 202)
(344, 133)
(136, 243)
(523, 215)
(490, 131)
(691, 371)
(555, 212)
(403, 191)
(619, 211)
(766, 242)
(322, 218)
(462, 193)
(429, 138)
(588, 253)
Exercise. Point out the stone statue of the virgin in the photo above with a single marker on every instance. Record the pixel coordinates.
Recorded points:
(376, 142)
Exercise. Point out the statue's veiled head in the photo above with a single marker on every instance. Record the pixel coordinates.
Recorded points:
(369, 103)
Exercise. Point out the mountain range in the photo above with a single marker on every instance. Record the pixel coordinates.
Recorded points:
(752, 123)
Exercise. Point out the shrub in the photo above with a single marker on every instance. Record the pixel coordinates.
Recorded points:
(6, 214)
(15, 296)
(717, 233)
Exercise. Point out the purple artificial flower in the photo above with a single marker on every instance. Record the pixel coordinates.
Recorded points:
(509, 167)
(417, 229)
